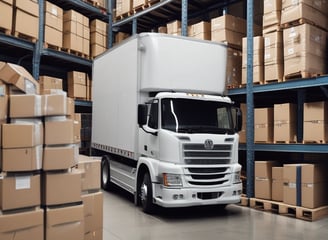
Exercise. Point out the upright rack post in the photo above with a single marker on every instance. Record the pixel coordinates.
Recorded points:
(184, 18)
(250, 103)
(110, 24)
(39, 43)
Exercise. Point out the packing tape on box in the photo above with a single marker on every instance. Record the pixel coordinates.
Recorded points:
(55, 118)
(38, 157)
(38, 106)
(50, 109)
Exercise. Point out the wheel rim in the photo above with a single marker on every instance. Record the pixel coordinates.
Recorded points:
(105, 174)
(143, 193)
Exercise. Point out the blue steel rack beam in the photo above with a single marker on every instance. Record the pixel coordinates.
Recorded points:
(67, 57)
(13, 41)
(290, 148)
(39, 43)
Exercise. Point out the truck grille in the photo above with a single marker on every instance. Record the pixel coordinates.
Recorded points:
(196, 154)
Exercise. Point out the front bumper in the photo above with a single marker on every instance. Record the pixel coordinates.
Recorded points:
(186, 197)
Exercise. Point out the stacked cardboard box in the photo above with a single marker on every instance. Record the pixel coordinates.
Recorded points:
(201, 30)
(47, 84)
(242, 133)
(273, 56)
(20, 190)
(53, 25)
(98, 37)
(26, 18)
(263, 179)
(174, 28)
(77, 84)
(263, 125)
(271, 15)
(258, 60)
(315, 122)
(123, 7)
(305, 50)
(277, 184)
(6, 13)
(120, 36)
(76, 32)
(234, 66)
(229, 29)
(285, 122)
(305, 185)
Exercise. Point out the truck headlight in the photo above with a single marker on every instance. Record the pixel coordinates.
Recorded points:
(236, 178)
(172, 180)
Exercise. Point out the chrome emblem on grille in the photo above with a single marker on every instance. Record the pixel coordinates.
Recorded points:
(208, 144)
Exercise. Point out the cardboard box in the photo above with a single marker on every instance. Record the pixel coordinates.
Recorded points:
(273, 72)
(90, 168)
(6, 12)
(174, 27)
(3, 102)
(93, 211)
(273, 48)
(227, 36)
(123, 6)
(258, 51)
(86, 46)
(77, 128)
(64, 223)
(76, 77)
(234, 63)
(277, 184)
(29, 6)
(22, 159)
(73, 42)
(25, 24)
(98, 26)
(20, 78)
(305, 62)
(272, 5)
(272, 19)
(98, 38)
(263, 121)
(229, 22)
(285, 122)
(19, 192)
(320, 5)
(47, 82)
(22, 135)
(70, 108)
(201, 30)
(26, 106)
(94, 235)
(55, 104)
(53, 36)
(61, 188)
(97, 50)
(317, 111)
(60, 157)
(77, 91)
(71, 15)
(292, 184)
(306, 12)
(120, 36)
(22, 225)
(258, 74)
(54, 16)
(59, 131)
(263, 179)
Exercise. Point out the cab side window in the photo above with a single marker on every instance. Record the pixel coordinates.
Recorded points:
(153, 115)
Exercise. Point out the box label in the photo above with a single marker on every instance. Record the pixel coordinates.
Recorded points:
(23, 182)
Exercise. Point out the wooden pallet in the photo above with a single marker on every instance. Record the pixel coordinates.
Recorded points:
(5, 31)
(289, 210)
(300, 74)
(76, 53)
(314, 142)
(124, 15)
(244, 201)
(144, 6)
(51, 46)
(284, 142)
(25, 37)
(273, 81)
(297, 22)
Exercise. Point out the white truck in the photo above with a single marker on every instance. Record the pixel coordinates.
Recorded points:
(162, 124)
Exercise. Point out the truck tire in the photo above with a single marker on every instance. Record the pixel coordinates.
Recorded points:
(146, 194)
(105, 173)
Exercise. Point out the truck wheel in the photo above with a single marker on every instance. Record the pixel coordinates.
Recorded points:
(105, 173)
(146, 194)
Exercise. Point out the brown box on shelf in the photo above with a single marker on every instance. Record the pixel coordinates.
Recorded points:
(90, 168)
(227, 36)
(292, 184)
(3, 102)
(242, 133)
(271, 20)
(21, 106)
(285, 120)
(306, 12)
(72, 15)
(22, 225)
(201, 30)
(97, 50)
(60, 157)
(272, 5)
(273, 72)
(54, 16)
(76, 77)
(263, 179)
(263, 121)
(22, 135)
(61, 188)
(77, 91)
(229, 22)
(77, 127)
(258, 74)
(93, 211)
(320, 5)
(98, 26)
(55, 104)
(277, 184)
(29, 6)
(174, 28)
(123, 7)
(47, 82)
(53, 36)
(19, 192)
(6, 13)
(64, 223)
(258, 51)
(25, 23)
(86, 47)
(73, 27)
(98, 38)
(58, 130)
(22, 159)
(73, 42)
(234, 62)
(273, 48)
(20, 78)
(315, 122)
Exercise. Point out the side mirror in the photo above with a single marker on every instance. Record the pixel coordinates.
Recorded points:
(238, 117)
(142, 114)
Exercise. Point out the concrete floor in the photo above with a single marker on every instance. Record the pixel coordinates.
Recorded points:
(124, 221)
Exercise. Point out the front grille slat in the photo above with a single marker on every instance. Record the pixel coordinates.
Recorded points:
(197, 154)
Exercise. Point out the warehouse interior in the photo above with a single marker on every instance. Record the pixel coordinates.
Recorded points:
(51, 182)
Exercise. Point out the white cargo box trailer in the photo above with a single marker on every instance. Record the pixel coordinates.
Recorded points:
(146, 68)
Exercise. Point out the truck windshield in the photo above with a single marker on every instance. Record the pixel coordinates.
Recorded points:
(196, 116)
